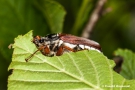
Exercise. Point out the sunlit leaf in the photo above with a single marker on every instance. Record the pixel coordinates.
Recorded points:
(89, 70)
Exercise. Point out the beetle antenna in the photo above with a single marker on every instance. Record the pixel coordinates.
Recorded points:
(31, 56)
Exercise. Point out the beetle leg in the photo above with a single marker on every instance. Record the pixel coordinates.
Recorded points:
(62, 48)
(60, 51)
(77, 48)
(68, 48)
(31, 55)
(45, 50)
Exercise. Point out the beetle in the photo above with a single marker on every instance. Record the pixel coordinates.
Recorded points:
(57, 44)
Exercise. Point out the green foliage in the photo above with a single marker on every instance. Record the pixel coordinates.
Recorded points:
(53, 13)
(42, 16)
(81, 70)
(128, 66)
(18, 17)
(82, 16)
(114, 28)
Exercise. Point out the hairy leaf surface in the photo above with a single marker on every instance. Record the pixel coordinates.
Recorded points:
(89, 70)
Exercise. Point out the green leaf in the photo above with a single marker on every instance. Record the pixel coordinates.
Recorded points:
(89, 70)
(128, 66)
(82, 15)
(53, 12)
(18, 17)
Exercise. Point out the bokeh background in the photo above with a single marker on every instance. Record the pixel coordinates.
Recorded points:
(114, 29)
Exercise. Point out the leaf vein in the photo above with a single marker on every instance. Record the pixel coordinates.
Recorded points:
(93, 65)
(43, 81)
(76, 66)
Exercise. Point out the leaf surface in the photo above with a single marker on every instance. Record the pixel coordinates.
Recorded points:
(18, 17)
(89, 70)
(128, 66)
(54, 14)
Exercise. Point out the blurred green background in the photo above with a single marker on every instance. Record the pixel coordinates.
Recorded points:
(114, 29)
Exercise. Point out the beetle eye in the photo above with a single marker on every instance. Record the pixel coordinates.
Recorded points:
(41, 40)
